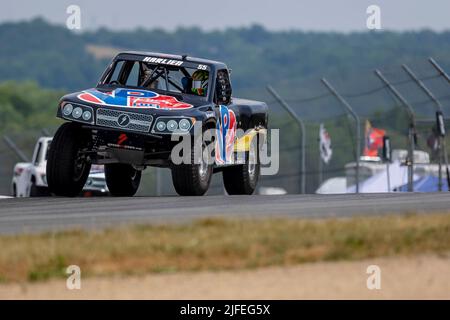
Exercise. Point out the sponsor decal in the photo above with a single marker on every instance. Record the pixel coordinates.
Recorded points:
(132, 98)
(210, 114)
(123, 120)
(122, 138)
(226, 135)
(123, 146)
(169, 62)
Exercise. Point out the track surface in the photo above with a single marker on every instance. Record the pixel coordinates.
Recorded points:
(22, 215)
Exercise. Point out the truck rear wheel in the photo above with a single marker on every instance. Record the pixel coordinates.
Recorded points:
(122, 179)
(193, 179)
(242, 179)
(36, 191)
(67, 169)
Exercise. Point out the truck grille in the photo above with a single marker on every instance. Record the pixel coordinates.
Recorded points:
(124, 120)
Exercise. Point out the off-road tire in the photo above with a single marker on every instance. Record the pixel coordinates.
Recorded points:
(66, 174)
(36, 191)
(192, 179)
(122, 179)
(242, 179)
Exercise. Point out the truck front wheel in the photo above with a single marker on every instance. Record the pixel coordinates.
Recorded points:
(122, 179)
(67, 169)
(193, 179)
(36, 191)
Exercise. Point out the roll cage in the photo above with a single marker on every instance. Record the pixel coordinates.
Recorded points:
(149, 74)
(213, 67)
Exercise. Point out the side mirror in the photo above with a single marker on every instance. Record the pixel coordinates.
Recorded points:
(223, 88)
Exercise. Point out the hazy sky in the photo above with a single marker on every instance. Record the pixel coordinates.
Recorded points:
(318, 15)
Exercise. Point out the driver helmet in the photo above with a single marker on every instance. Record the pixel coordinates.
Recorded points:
(200, 82)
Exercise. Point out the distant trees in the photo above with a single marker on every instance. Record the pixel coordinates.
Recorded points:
(25, 106)
(56, 57)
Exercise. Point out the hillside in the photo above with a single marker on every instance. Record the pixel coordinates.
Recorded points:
(58, 58)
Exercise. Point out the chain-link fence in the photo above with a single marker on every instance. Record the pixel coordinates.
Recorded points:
(386, 99)
(394, 99)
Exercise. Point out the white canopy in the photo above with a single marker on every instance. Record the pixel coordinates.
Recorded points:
(333, 185)
(398, 176)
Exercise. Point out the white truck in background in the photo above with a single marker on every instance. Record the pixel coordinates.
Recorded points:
(29, 179)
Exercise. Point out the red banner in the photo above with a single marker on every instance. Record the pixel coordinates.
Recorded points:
(374, 140)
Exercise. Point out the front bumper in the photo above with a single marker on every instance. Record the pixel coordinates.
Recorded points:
(126, 121)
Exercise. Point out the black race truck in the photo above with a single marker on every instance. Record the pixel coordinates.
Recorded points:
(129, 120)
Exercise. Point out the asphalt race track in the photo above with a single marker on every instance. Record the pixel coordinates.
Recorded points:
(20, 215)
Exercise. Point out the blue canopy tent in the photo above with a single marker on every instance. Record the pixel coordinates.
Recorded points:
(426, 184)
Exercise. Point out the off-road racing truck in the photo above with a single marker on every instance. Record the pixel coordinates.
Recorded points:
(127, 122)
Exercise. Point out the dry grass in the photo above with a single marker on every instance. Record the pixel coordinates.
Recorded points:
(214, 244)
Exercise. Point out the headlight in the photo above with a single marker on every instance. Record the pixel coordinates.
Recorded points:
(169, 125)
(172, 125)
(87, 115)
(77, 112)
(184, 124)
(161, 126)
(67, 110)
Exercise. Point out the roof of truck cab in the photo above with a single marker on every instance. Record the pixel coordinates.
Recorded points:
(174, 56)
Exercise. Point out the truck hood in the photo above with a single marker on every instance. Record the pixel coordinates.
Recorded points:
(129, 98)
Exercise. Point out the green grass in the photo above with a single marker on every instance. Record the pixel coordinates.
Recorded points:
(217, 244)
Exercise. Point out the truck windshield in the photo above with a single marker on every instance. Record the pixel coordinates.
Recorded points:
(150, 76)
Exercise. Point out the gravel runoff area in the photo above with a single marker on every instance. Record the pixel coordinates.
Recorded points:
(419, 277)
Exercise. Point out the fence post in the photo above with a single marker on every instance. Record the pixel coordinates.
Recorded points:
(320, 171)
(303, 133)
(441, 139)
(439, 69)
(411, 130)
(158, 181)
(350, 110)
(446, 77)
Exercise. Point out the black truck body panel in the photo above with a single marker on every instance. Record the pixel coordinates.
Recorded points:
(139, 110)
